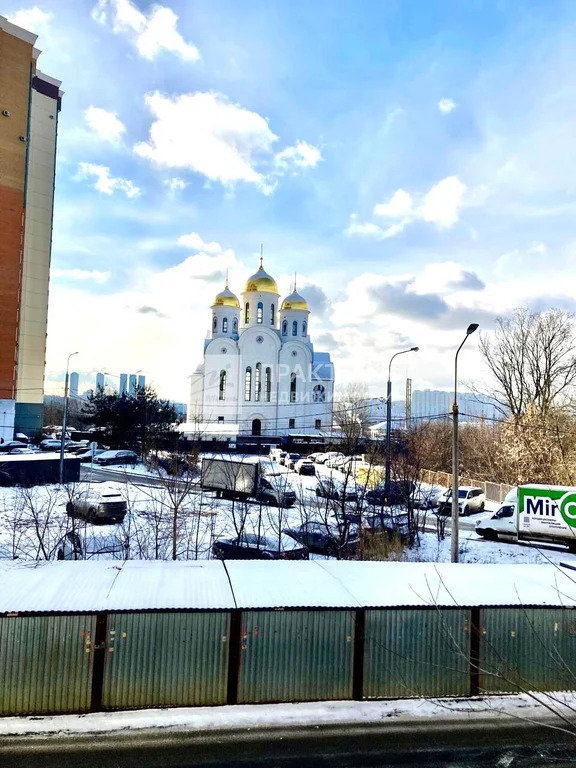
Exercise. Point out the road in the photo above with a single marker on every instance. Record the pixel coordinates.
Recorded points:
(479, 745)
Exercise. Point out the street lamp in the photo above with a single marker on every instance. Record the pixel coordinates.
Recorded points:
(64, 417)
(455, 512)
(389, 419)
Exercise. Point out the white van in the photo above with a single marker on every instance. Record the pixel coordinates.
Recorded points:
(503, 522)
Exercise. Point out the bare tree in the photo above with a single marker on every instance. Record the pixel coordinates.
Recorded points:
(532, 357)
(351, 415)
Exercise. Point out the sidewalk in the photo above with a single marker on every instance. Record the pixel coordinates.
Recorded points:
(247, 717)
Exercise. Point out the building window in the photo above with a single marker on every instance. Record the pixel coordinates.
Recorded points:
(318, 424)
(235, 325)
(257, 381)
(225, 325)
(268, 384)
(291, 423)
(214, 324)
(294, 328)
(284, 328)
(248, 384)
(292, 387)
(272, 314)
(304, 328)
(259, 312)
(220, 419)
(319, 394)
(222, 390)
(247, 312)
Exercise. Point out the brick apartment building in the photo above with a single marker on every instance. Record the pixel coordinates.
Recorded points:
(29, 109)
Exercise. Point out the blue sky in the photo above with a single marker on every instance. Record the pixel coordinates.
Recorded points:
(413, 162)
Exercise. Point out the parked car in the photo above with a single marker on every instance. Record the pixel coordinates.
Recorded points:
(11, 444)
(86, 455)
(282, 458)
(22, 449)
(250, 546)
(333, 488)
(116, 457)
(322, 458)
(314, 456)
(52, 444)
(91, 545)
(388, 524)
(305, 467)
(470, 501)
(427, 496)
(334, 459)
(325, 539)
(399, 492)
(349, 463)
(291, 459)
(97, 503)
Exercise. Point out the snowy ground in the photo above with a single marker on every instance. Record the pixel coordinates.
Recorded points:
(33, 522)
(243, 717)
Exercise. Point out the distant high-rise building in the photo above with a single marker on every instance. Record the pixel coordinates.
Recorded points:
(29, 108)
(99, 381)
(132, 384)
(123, 384)
(74, 382)
(141, 382)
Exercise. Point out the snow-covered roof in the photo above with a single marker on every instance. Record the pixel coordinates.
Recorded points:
(88, 586)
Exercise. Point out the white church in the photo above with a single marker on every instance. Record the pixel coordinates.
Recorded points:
(261, 375)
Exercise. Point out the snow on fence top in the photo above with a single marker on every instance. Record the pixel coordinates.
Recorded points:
(138, 585)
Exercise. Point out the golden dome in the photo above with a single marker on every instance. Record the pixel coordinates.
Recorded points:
(295, 301)
(226, 299)
(261, 281)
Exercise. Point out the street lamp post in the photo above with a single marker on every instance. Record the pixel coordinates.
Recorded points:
(64, 417)
(389, 419)
(455, 512)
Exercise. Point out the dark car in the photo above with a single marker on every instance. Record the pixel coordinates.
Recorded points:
(86, 454)
(116, 457)
(249, 546)
(7, 447)
(325, 539)
(388, 524)
(291, 459)
(399, 492)
(331, 488)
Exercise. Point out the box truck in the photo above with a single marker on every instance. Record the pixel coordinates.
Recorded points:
(241, 477)
(544, 513)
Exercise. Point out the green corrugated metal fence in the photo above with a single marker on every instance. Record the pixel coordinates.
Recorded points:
(527, 649)
(296, 656)
(46, 664)
(165, 659)
(417, 653)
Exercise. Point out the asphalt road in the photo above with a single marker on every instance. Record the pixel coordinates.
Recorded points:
(481, 745)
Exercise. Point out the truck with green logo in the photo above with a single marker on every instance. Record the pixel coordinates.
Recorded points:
(536, 513)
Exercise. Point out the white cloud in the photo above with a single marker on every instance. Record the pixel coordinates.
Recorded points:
(81, 274)
(196, 243)
(150, 33)
(442, 204)
(175, 184)
(302, 154)
(446, 106)
(209, 135)
(32, 19)
(106, 125)
(399, 205)
(106, 183)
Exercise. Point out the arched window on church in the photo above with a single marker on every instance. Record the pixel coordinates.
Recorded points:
(268, 384)
(304, 328)
(214, 324)
(222, 390)
(272, 314)
(292, 387)
(235, 325)
(257, 381)
(294, 328)
(248, 384)
(284, 328)
(225, 325)
(247, 312)
(259, 312)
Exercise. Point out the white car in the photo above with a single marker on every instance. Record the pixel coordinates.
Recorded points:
(333, 459)
(501, 522)
(470, 501)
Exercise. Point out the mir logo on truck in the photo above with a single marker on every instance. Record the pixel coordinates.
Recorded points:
(538, 506)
